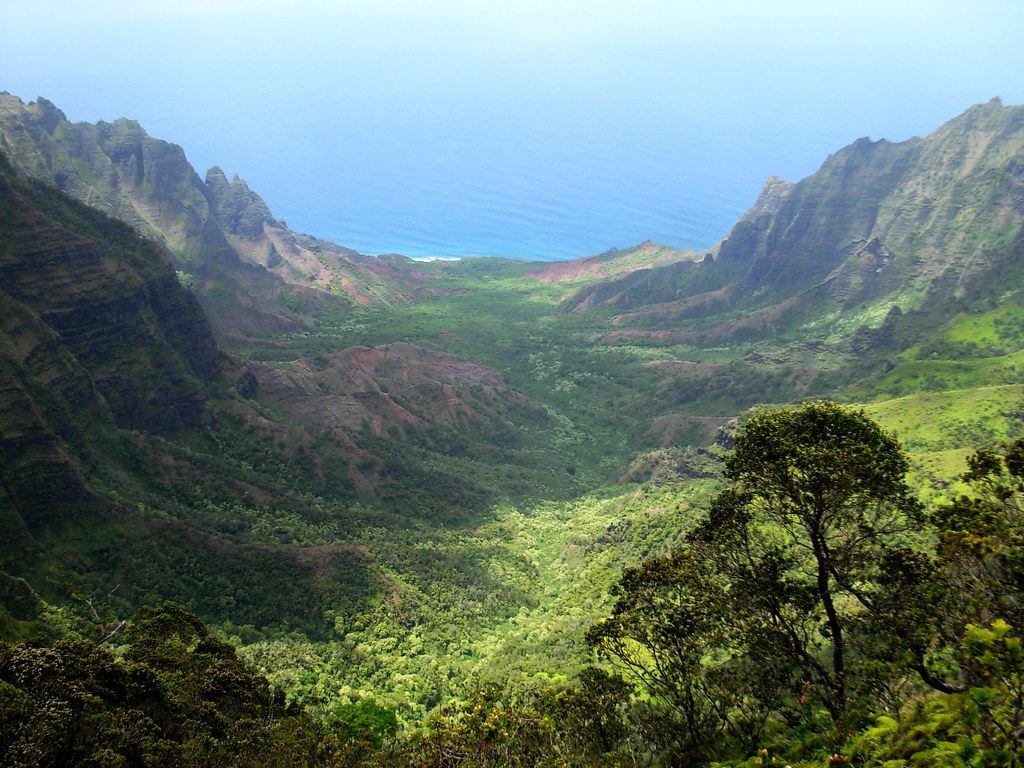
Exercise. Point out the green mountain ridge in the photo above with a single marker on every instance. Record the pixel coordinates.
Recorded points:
(242, 262)
(914, 224)
(138, 458)
(97, 333)
(104, 354)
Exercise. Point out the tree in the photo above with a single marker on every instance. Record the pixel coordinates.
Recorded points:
(817, 497)
(670, 616)
(981, 537)
(177, 696)
(977, 575)
(523, 726)
(963, 607)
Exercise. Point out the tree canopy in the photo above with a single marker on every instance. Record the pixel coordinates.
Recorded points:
(818, 494)
(816, 614)
(811, 597)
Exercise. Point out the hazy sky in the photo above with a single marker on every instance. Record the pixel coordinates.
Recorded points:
(745, 88)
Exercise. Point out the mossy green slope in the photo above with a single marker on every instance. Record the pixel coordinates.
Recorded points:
(915, 224)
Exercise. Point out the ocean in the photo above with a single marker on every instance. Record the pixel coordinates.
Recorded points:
(446, 180)
(530, 130)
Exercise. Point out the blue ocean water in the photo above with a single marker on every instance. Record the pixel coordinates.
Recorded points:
(523, 129)
(461, 177)
(450, 180)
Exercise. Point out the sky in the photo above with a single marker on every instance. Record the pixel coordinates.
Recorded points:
(452, 124)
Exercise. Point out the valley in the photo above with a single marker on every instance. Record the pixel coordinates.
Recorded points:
(395, 483)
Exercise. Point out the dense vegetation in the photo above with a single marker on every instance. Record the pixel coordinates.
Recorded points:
(816, 613)
(495, 513)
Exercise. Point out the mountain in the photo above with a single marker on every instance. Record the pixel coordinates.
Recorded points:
(103, 355)
(922, 225)
(252, 274)
(255, 278)
(136, 456)
(96, 331)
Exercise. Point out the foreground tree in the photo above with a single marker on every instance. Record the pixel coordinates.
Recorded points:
(981, 538)
(521, 727)
(975, 576)
(178, 697)
(817, 497)
(770, 613)
(964, 608)
(670, 615)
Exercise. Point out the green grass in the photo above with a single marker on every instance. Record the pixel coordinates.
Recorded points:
(953, 420)
(991, 332)
(917, 374)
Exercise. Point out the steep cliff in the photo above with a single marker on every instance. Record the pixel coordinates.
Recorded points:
(913, 224)
(244, 265)
(112, 300)
(96, 336)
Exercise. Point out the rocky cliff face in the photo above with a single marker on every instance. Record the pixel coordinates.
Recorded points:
(243, 264)
(916, 223)
(238, 209)
(799, 232)
(114, 303)
(878, 218)
(46, 400)
(95, 334)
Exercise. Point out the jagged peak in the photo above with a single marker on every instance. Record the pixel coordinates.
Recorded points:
(216, 175)
(991, 115)
(774, 191)
(47, 112)
(48, 109)
(125, 123)
(240, 210)
(773, 185)
(995, 102)
(216, 178)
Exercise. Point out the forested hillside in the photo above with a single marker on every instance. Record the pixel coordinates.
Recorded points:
(494, 512)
